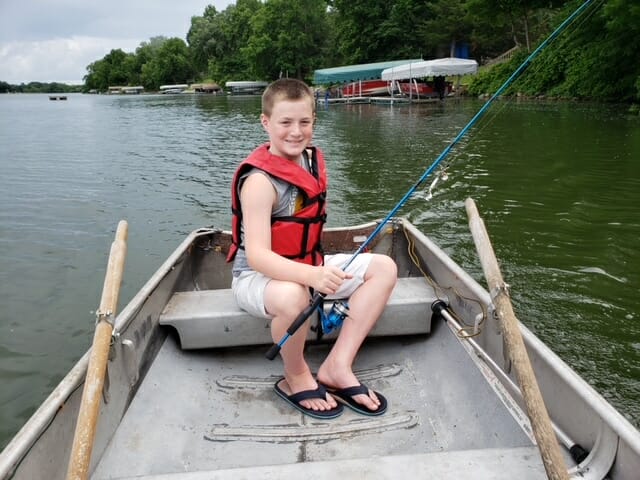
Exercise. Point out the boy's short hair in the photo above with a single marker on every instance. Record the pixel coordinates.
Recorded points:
(286, 89)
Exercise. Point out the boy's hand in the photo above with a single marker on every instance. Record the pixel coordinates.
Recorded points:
(327, 280)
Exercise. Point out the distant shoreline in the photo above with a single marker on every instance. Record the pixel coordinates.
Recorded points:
(40, 87)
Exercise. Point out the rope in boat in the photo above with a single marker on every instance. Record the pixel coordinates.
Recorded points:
(467, 331)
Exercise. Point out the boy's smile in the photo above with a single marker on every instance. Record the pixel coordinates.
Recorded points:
(290, 127)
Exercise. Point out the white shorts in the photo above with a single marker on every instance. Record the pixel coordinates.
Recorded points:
(248, 287)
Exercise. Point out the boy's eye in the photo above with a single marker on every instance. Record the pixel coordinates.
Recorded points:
(287, 123)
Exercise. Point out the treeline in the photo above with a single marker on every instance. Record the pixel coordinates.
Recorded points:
(262, 40)
(40, 87)
(159, 61)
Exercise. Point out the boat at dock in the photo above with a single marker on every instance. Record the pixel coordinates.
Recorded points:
(190, 394)
(365, 88)
(358, 81)
(208, 88)
(125, 90)
(417, 89)
(246, 87)
(410, 79)
(173, 89)
(444, 67)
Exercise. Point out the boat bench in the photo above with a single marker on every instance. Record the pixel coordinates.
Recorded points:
(211, 318)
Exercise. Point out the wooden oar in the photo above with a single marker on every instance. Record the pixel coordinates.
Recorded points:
(91, 395)
(539, 417)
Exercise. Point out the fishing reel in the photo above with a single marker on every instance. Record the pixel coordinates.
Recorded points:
(333, 320)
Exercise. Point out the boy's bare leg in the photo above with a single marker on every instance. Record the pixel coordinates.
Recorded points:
(285, 300)
(365, 306)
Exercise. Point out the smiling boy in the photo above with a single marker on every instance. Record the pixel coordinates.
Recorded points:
(279, 209)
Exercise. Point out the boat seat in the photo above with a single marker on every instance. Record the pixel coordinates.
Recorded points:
(211, 318)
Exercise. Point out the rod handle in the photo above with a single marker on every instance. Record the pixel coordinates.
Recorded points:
(273, 351)
(295, 325)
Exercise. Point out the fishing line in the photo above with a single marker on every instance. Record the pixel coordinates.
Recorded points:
(318, 298)
(507, 83)
(560, 45)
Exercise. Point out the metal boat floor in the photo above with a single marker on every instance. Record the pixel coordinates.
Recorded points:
(215, 410)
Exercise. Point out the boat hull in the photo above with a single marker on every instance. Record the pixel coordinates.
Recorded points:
(453, 402)
(417, 89)
(366, 88)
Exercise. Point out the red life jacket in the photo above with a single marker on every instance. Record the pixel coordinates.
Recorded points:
(296, 237)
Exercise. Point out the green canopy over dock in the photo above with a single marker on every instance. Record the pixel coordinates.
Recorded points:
(353, 73)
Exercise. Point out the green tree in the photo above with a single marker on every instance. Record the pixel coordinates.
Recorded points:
(113, 69)
(216, 40)
(446, 26)
(288, 37)
(525, 19)
(360, 38)
(492, 29)
(402, 30)
(201, 36)
(622, 20)
(171, 64)
(595, 58)
(145, 52)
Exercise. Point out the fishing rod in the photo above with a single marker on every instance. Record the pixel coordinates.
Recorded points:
(339, 311)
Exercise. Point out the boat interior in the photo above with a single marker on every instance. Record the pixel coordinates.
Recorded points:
(204, 407)
(211, 410)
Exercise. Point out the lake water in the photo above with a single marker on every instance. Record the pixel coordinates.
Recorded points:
(556, 183)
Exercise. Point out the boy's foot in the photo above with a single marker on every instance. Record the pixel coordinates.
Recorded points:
(348, 397)
(340, 380)
(295, 399)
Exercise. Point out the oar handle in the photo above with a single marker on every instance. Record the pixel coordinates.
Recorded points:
(540, 422)
(80, 459)
(295, 325)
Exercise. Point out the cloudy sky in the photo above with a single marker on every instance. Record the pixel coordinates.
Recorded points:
(55, 40)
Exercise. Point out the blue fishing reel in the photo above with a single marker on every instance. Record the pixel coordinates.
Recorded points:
(333, 320)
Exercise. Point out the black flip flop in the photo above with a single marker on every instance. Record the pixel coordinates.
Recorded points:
(295, 399)
(345, 396)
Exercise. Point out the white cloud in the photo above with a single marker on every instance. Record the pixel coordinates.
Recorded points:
(58, 60)
(55, 40)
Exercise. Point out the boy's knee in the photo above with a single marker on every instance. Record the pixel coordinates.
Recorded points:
(294, 298)
(386, 266)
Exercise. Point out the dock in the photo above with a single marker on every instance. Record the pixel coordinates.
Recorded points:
(378, 100)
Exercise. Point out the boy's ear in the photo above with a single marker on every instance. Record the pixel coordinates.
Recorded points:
(264, 120)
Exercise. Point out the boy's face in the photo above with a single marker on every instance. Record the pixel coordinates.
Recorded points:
(290, 127)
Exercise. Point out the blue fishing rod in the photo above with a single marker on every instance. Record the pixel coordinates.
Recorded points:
(340, 310)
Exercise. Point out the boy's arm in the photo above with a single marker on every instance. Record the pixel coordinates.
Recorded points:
(258, 197)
